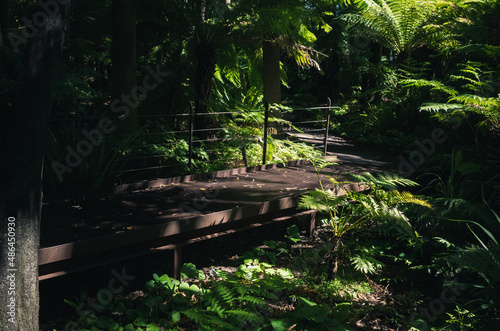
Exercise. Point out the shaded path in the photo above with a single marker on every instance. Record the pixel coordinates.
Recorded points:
(351, 157)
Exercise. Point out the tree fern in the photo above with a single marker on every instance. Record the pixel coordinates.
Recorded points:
(397, 25)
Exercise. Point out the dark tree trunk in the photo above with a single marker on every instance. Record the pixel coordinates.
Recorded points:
(3, 32)
(333, 258)
(22, 138)
(205, 69)
(123, 58)
(271, 73)
(271, 77)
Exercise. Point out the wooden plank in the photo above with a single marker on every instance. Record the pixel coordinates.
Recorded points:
(171, 228)
(211, 175)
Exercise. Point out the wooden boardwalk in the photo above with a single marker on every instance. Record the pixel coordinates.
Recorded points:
(145, 217)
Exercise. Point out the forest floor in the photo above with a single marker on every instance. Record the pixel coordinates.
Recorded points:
(55, 312)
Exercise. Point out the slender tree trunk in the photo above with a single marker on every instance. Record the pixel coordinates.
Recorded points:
(22, 138)
(271, 75)
(123, 58)
(244, 155)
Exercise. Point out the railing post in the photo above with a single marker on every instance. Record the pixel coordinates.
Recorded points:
(325, 144)
(177, 261)
(191, 129)
(266, 125)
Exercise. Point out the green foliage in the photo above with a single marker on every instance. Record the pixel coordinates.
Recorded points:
(401, 26)
(478, 95)
(461, 319)
(376, 200)
(477, 268)
(293, 234)
(235, 301)
(271, 250)
(309, 315)
(366, 264)
(348, 209)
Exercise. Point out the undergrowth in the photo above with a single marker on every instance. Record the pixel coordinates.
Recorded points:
(432, 279)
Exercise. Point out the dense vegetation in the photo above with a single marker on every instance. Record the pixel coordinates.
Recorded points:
(417, 79)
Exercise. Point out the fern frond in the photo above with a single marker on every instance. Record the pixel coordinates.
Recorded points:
(254, 300)
(438, 107)
(445, 242)
(320, 163)
(483, 261)
(387, 181)
(225, 293)
(434, 85)
(322, 201)
(202, 318)
(476, 100)
(244, 316)
(397, 216)
(366, 264)
(407, 197)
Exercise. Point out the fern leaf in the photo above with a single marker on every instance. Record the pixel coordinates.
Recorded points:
(244, 316)
(476, 100)
(203, 318)
(322, 201)
(434, 85)
(254, 300)
(407, 197)
(437, 107)
(387, 181)
(366, 264)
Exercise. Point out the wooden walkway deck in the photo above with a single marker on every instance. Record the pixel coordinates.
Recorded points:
(141, 218)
